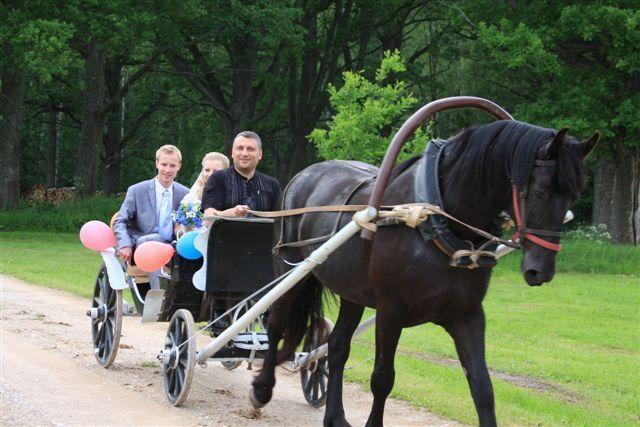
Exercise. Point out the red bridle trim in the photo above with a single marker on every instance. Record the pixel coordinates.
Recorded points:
(528, 236)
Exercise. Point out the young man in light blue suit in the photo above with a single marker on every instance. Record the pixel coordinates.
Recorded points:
(145, 214)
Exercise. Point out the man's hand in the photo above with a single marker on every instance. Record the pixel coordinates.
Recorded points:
(238, 211)
(125, 253)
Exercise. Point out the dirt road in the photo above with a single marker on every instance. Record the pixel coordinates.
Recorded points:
(48, 376)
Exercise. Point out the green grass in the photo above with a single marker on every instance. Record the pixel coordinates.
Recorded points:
(573, 345)
(55, 260)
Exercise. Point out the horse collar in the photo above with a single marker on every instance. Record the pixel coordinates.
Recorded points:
(436, 227)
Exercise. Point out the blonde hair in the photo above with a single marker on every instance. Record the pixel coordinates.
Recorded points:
(201, 182)
(169, 149)
(214, 155)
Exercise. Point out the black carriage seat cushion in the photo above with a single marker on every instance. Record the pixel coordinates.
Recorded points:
(239, 259)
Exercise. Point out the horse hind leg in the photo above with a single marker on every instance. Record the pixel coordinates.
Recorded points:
(468, 336)
(389, 322)
(339, 347)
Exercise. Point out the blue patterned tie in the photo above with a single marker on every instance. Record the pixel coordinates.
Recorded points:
(165, 224)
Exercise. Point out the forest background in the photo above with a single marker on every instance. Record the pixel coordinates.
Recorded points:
(89, 89)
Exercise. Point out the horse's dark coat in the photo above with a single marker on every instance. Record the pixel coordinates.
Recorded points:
(409, 281)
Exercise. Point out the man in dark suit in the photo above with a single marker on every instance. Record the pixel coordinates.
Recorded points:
(145, 214)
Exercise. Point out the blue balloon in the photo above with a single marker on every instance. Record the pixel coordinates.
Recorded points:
(186, 247)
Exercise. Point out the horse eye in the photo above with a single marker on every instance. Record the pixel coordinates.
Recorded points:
(539, 194)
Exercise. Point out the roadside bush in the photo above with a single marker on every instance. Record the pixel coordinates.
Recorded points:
(595, 233)
(66, 217)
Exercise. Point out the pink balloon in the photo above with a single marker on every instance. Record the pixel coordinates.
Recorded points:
(150, 256)
(97, 236)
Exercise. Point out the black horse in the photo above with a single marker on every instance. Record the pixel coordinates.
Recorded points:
(531, 172)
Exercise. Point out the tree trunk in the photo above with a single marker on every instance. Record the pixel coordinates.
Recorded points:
(10, 135)
(91, 133)
(52, 149)
(617, 195)
(113, 136)
(112, 154)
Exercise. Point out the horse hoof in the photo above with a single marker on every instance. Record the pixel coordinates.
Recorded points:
(254, 400)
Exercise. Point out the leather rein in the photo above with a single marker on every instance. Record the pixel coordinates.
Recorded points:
(523, 232)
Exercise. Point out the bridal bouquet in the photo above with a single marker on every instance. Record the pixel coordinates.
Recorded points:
(188, 215)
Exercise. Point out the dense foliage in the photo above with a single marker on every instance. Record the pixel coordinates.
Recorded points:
(91, 88)
(365, 114)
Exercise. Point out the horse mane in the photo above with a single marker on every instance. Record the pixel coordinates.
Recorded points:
(481, 157)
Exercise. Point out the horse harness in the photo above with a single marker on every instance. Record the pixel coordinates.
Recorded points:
(527, 233)
(430, 220)
(462, 252)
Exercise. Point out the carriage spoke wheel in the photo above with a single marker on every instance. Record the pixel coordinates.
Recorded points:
(106, 319)
(257, 324)
(315, 377)
(179, 357)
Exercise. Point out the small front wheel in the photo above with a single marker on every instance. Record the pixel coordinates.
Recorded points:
(179, 357)
(314, 379)
(106, 319)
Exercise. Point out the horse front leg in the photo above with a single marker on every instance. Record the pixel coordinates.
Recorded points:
(264, 382)
(389, 322)
(339, 347)
(468, 335)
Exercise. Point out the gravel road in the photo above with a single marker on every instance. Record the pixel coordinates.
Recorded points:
(48, 376)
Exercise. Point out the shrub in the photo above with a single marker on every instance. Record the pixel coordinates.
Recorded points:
(595, 233)
(67, 216)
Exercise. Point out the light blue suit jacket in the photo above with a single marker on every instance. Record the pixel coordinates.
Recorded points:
(138, 214)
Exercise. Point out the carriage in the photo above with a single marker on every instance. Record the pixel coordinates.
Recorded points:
(238, 262)
(466, 267)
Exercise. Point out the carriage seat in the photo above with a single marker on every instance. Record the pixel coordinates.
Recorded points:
(138, 275)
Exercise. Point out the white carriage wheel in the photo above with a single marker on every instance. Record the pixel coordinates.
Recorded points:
(314, 379)
(179, 357)
(106, 319)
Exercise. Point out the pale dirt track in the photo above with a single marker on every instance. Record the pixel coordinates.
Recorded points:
(48, 376)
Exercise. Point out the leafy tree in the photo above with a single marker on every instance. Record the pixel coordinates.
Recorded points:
(365, 114)
(109, 35)
(562, 64)
(34, 50)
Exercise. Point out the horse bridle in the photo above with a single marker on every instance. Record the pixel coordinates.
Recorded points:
(526, 233)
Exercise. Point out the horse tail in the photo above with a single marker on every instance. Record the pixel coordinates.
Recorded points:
(303, 310)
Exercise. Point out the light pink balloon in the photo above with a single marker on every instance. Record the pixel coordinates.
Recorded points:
(97, 236)
(150, 256)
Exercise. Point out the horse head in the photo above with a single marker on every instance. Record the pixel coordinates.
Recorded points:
(555, 181)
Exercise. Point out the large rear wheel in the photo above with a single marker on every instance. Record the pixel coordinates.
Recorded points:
(315, 377)
(179, 357)
(106, 319)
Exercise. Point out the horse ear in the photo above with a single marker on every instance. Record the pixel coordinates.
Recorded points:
(589, 144)
(550, 150)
